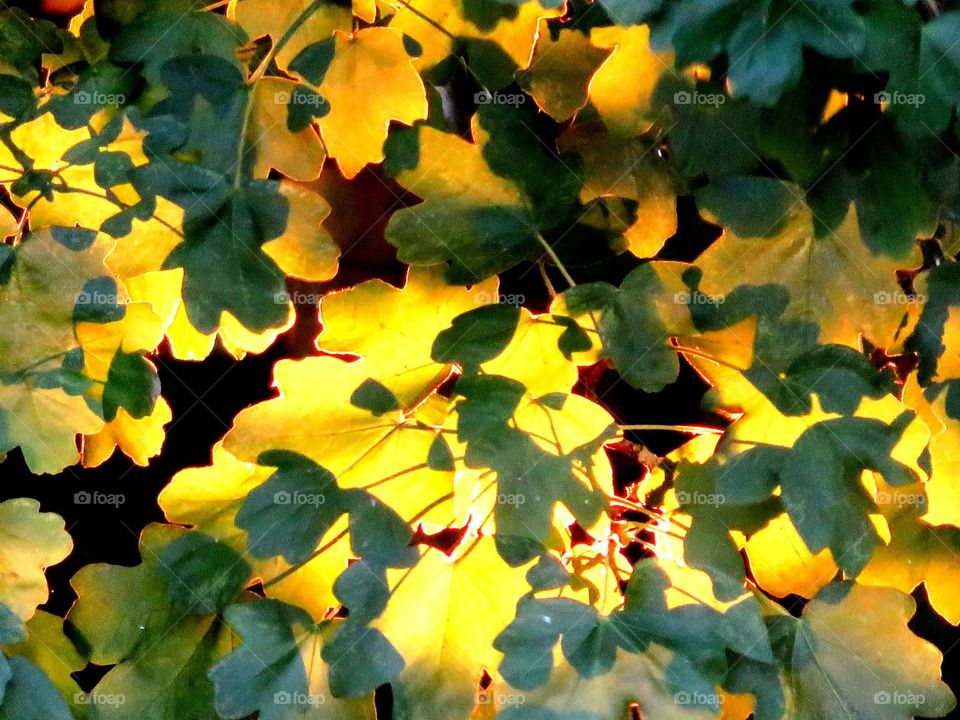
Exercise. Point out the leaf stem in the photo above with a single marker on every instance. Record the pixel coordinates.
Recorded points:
(707, 356)
(556, 259)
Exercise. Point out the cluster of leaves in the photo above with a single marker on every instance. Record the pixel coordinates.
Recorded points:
(429, 501)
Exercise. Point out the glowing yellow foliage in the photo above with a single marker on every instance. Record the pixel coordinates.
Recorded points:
(357, 124)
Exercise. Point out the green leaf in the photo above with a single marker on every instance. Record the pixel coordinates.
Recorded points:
(314, 60)
(477, 336)
(277, 670)
(204, 575)
(750, 206)
(132, 384)
(472, 220)
(289, 513)
(160, 653)
(822, 491)
(225, 267)
(361, 659)
(29, 695)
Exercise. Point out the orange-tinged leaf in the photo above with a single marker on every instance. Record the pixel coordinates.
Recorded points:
(275, 17)
(560, 70)
(621, 89)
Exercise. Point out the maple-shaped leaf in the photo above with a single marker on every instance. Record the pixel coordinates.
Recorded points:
(225, 268)
(209, 498)
(298, 22)
(277, 668)
(532, 476)
(560, 71)
(857, 291)
(356, 127)
(471, 220)
(835, 663)
(393, 329)
(160, 653)
(622, 88)
(442, 619)
(499, 38)
(32, 541)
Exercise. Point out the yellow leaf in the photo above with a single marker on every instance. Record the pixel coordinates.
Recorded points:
(856, 291)
(305, 250)
(31, 541)
(393, 329)
(44, 424)
(560, 71)
(443, 619)
(514, 35)
(616, 167)
(782, 564)
(356, 126)
(275, 17)
(37, 302)
(298, 155)
(138, 439)
(621, 89)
